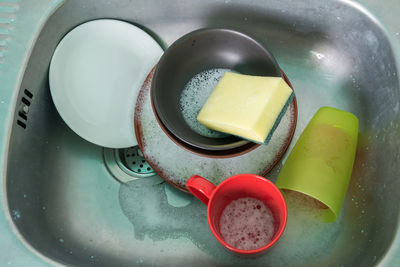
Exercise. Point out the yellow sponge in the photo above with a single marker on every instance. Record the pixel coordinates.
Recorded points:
(246, 106)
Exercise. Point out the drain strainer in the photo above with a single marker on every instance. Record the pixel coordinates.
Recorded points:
(133, 159)
(128, 164)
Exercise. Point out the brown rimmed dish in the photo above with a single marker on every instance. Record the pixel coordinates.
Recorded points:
(241, 151)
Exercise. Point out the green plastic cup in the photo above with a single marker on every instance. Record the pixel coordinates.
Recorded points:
(321, 162)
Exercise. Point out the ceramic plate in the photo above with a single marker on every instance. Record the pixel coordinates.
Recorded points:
(175, 162)
(95, 75)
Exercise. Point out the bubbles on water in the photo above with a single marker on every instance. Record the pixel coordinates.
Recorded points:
(16, 214)
(177, 198)
(247, 223)
(178, 164)
(146, 206)
(306, 234)
(195, 95)
(396, 108)
(306, 238)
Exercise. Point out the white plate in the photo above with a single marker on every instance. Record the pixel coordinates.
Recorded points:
(95, 75)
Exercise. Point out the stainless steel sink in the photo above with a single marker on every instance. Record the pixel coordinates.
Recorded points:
(67, 206)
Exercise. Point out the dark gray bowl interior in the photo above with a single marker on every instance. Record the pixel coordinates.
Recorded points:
(193, 53)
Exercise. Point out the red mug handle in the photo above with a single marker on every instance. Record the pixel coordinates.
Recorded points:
(200, 188)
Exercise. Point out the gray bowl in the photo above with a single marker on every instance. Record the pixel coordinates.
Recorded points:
(193, 53)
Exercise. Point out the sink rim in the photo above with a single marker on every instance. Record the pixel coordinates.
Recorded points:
(389, 254)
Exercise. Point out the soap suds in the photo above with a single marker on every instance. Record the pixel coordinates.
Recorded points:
(195, 95)
(162, 152)
(16, 214)
(306, 238)
(247, 223)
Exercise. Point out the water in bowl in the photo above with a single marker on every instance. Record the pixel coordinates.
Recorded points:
(195, 95)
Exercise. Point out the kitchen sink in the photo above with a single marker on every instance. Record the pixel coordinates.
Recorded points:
(72, 203)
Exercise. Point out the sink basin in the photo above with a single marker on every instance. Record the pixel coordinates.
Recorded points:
(67, 207)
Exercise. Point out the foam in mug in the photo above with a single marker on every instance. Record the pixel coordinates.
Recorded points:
(247, 223)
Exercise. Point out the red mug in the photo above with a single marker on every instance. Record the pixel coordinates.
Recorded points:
(241, 186)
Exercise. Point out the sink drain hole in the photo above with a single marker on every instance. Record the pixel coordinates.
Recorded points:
(127, 164)
(132, 158)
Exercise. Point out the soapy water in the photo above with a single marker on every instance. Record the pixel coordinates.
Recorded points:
(247, 223)
(163, 153)
(306, 238)
(195, 95)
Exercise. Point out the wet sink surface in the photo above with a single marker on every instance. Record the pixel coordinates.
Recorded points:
(66, 205)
